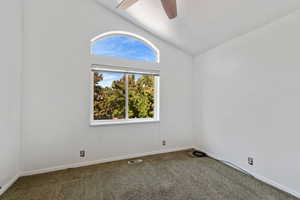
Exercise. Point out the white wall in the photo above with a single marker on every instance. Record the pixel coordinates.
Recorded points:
(10, 69)
(248, 94)
(56, 89)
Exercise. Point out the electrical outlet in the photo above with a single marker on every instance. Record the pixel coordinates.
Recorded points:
(82, 153)
(250, 161)
(164, 143)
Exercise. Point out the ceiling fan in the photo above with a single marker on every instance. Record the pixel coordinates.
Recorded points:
(170, 6)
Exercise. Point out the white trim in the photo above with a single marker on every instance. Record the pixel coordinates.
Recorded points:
(128, 70)
(258, 176)
(105, 160)
(91, 113)
(126, 97)
(124, 33)
(276, 185)
(9, 184)
(125, 63)
(119, 122)
(157, 97)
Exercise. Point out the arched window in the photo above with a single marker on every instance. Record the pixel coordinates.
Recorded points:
(122, 94)
(124, 45)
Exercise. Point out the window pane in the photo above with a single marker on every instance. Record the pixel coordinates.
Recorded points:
(109, 96)
(141, 96)
(123, 47)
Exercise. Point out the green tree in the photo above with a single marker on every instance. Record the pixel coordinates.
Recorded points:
(109, 102)
(141, 96)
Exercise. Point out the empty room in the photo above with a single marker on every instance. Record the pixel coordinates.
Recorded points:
(150, 100)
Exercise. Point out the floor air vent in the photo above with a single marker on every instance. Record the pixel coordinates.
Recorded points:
(133, 162)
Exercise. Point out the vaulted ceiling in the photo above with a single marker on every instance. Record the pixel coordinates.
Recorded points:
(204, 24)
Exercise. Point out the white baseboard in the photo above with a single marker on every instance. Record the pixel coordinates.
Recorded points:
(10, 183)
(277, 185)
(82, 164)
(259, 177)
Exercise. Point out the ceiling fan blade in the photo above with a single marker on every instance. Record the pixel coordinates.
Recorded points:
(170, 7)
(126, 4)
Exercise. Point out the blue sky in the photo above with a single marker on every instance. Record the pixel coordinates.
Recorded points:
(123, 47)
(109, 77)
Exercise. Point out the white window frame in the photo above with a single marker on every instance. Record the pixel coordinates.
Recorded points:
(126, 71)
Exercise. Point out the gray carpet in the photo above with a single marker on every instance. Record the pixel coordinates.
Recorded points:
(172, 176)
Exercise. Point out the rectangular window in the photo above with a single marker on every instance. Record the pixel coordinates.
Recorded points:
(124, 96)
(109, 96)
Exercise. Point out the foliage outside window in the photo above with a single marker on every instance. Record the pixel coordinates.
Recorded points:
(140, 96)
(109, 96)
(124, 96)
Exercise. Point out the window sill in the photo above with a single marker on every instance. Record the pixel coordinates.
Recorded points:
(120, 122)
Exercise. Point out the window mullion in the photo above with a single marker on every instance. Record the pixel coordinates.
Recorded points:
(126, 96)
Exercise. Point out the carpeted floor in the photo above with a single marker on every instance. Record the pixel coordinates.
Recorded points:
(172, 176)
